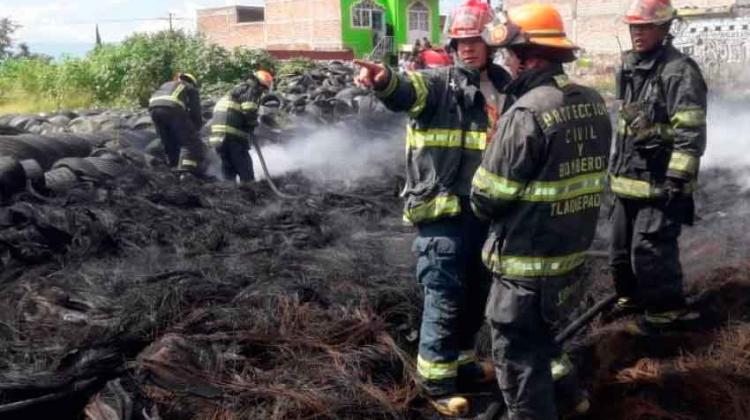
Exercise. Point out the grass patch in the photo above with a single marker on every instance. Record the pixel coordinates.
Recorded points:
(19, 102)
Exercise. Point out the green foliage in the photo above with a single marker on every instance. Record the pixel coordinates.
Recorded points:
(128, 73)
(296, 65)
(7, 28)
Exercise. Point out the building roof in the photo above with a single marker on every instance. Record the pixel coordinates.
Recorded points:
(703, 12)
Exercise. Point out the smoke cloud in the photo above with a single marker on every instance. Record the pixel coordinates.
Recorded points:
(728, 145)
(719, 237)
(344, 153)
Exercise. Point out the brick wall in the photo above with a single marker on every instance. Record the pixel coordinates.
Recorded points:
(220, 26)
(289, 25)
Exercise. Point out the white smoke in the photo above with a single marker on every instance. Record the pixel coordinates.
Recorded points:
(728, 144)
(719, 238)
(341, 153)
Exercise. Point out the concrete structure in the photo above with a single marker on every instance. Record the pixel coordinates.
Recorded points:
(596, 25)
(718, 38)
(714, 32)
(322, 28)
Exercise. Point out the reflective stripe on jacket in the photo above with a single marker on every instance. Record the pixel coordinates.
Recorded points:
(178, 94)
(446, 136)
(542, 178)
(235, 116)
(661, 126)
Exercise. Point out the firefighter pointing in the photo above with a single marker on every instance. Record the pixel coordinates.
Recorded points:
(661, 135)
(446, 137)
(540, 184)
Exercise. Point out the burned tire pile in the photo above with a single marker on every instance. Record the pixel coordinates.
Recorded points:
(127, 295)
(205, 302)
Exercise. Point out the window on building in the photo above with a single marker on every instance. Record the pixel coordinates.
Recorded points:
(692, 30)
(362, 14)
(247, 14)
(744, 27)
(718, 28)
(419, 17)
(731, 27)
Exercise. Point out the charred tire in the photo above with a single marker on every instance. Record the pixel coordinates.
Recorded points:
(60, 179)
(34, 173)
(107, 166)
(82, 167)
(12, 178)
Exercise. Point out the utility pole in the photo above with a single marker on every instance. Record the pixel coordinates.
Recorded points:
(170, 22)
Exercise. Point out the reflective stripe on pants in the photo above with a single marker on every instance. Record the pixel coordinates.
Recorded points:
(180, 138)
(455, 284)
(644, 241)
(524, 316)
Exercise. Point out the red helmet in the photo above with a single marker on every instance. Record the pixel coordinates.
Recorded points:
(469, 19)
(643, 12)
(433, 59)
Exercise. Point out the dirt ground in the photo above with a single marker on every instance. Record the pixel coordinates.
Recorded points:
(147, 298)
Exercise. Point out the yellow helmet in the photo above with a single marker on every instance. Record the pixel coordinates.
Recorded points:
(188, 78)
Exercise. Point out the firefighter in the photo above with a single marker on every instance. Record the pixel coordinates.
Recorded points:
(661, 134)
(446, 136)
(540, 184)
(235, 117)
(176, 111)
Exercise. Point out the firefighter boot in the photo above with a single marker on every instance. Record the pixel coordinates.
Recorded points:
(625, 284)
(451, 405)
(663, 322)
(579, 405)
(572, 401)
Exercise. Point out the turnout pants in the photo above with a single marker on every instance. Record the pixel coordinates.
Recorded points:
(645, 255)
(180, 139)
(524, 315)
(235, 159)
(455, 284)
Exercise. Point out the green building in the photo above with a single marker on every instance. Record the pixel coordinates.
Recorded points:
(381, 27)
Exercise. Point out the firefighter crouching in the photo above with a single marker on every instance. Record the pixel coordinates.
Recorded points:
(540, 184)
(176, 111)
(446, 136)
(661, 134)
(234, 119)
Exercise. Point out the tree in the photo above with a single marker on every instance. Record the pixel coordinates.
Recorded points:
(7, 28)
(23, 51)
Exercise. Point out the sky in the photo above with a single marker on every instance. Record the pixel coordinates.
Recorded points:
(57, 27)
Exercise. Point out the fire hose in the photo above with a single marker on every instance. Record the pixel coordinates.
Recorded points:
(270, 182)
(285, 196)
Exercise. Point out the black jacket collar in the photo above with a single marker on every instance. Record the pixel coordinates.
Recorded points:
(531, 79)
(634, 61)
